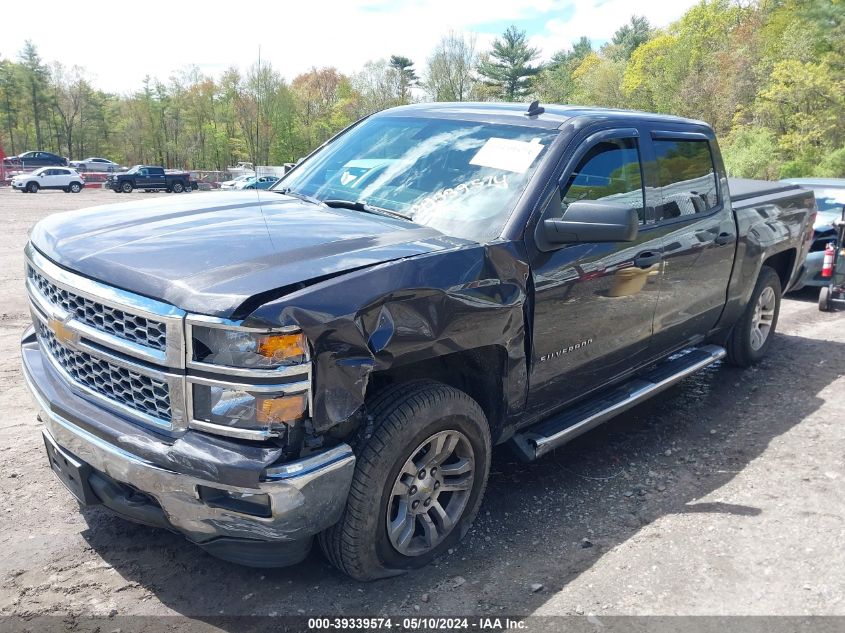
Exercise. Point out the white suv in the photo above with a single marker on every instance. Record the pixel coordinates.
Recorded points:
(64, 178)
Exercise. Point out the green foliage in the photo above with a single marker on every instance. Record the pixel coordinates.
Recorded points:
(832, 165)
(629, 37)
(508, 69)
(769, 75)
(406, 76)
(751, 152)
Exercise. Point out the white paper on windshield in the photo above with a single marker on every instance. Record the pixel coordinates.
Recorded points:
(507, 154)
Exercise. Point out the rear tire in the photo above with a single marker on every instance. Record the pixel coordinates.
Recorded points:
(824, 299)
(177, 187)
(32, 187)
(418, 425)
(753, 332)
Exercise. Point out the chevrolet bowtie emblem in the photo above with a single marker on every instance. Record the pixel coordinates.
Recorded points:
(62, 332)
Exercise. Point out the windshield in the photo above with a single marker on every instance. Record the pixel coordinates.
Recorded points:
(460, 177)
(135, 169)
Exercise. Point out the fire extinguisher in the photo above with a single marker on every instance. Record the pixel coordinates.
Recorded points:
(827, 265)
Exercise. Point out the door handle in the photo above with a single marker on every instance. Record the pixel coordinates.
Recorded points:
(723, 238)
(647, 259)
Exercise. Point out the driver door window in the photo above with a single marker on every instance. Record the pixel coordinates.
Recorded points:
(609, 171)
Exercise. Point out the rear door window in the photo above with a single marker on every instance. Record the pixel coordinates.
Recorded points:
(687, 178)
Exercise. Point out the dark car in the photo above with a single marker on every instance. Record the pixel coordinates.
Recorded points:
(334, 359)
(32, 160)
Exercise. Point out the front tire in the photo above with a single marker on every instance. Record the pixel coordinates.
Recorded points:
(75, 187)
(126, 187)
(32, 187)
(753, 333)
(418, 483)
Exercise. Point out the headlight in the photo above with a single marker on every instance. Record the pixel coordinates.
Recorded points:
(244, 411)
(247, 350)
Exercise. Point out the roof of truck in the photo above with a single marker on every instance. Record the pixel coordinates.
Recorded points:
(553, 117)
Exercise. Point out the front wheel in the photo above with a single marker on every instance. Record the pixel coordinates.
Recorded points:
(32, 187)
(75, 187)
(126, 187)
(418, 481)
(754, 331)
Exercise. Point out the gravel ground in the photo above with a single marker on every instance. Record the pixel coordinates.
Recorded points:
(723, 496)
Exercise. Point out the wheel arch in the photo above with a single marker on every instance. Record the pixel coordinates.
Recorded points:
(480, 373)
(783, 263)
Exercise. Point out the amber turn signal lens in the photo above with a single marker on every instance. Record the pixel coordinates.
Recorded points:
(282, 347)
(281, 410)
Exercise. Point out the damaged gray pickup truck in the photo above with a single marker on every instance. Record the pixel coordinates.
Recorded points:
(335, 357)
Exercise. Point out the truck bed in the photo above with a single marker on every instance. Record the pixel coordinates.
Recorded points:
(746, 190)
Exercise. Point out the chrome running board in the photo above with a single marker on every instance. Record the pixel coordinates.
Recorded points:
(551, 433)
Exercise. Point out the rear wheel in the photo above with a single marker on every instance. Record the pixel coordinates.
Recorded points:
(177, 187)
(418, 482)
(32, 187)
(755, 329)
(126, 187)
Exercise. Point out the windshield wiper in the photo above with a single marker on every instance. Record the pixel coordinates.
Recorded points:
(362, 205)
(290, 192)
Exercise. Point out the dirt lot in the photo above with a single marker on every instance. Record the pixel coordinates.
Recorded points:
(724, 496)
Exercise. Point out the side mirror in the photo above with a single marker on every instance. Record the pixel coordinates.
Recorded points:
(593, 221)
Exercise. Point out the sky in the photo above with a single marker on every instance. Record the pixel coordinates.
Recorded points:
(118, 43)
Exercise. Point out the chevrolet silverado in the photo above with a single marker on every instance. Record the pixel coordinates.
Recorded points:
(334, 358)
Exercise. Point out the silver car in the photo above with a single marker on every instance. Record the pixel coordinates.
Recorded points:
(830, 198)
(96, 164)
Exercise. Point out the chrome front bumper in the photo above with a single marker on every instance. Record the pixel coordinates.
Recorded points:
(305, 496)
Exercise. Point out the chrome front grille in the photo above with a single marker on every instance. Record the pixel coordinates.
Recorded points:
(119, 384)
(128, 353)
(131, 327)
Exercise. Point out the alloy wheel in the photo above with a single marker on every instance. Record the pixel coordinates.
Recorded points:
(764, 315)
(430, 493)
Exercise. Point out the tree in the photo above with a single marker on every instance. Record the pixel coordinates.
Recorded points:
(406, 76)
(449, 74)
(323, 105)
(629, 37)
(597, 81)
(36, 78)
(377, 84)
(554, 83)
(69, 95)
(509, 70)
(9, 102)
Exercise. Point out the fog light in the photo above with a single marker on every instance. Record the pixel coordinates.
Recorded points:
(256, 504)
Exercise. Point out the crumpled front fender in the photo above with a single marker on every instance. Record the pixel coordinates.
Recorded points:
(406, 311)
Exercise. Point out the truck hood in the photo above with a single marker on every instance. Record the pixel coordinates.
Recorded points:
(208, 253)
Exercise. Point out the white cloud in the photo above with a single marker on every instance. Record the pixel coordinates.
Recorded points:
(119, 47)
